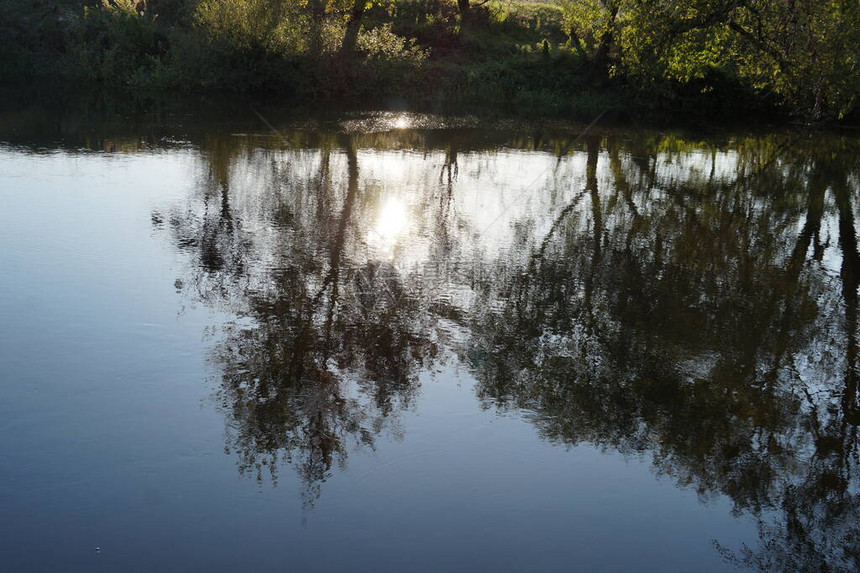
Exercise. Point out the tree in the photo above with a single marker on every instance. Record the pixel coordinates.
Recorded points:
(806, 53)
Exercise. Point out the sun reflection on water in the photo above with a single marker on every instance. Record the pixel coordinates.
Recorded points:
(402, 122)
(391, 222)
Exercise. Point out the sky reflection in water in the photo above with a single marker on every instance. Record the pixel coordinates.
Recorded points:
(435, 345)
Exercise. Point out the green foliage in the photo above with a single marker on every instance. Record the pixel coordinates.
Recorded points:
(588, 19)
(716, 55)
(32, 34)
(382, 44)
(804, 53)
(118, 41)
(529, 20)
(272, 26)
(808, 52)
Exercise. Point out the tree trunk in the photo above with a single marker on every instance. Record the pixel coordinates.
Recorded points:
(464, 7)
(350, 38)
(601, 59)
(576, 43)
(317, 18)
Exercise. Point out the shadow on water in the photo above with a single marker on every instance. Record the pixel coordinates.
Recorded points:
(695, 301)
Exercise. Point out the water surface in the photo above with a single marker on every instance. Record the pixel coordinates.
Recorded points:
(238, 339)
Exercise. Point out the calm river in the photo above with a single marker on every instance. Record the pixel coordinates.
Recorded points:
(242, 339)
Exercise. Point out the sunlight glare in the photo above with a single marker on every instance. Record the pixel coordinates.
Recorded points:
(390, 223)
(402, 122)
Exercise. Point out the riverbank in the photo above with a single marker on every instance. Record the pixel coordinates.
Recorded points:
(530, 58)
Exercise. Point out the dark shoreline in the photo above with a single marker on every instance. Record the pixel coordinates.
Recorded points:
(53, 95)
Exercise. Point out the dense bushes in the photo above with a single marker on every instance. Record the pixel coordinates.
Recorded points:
(729, 54)
(804, 54)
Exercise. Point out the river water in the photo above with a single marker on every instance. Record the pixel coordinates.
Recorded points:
(243, 339)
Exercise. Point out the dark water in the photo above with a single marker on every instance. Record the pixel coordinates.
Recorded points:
(407, 342)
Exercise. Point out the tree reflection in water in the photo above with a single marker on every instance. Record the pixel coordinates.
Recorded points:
(695, 301)
(324, 351)
(697, 320)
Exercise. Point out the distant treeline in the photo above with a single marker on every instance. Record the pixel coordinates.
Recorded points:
(725, 57)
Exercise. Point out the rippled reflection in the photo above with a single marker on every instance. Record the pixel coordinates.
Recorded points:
(695, 301)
